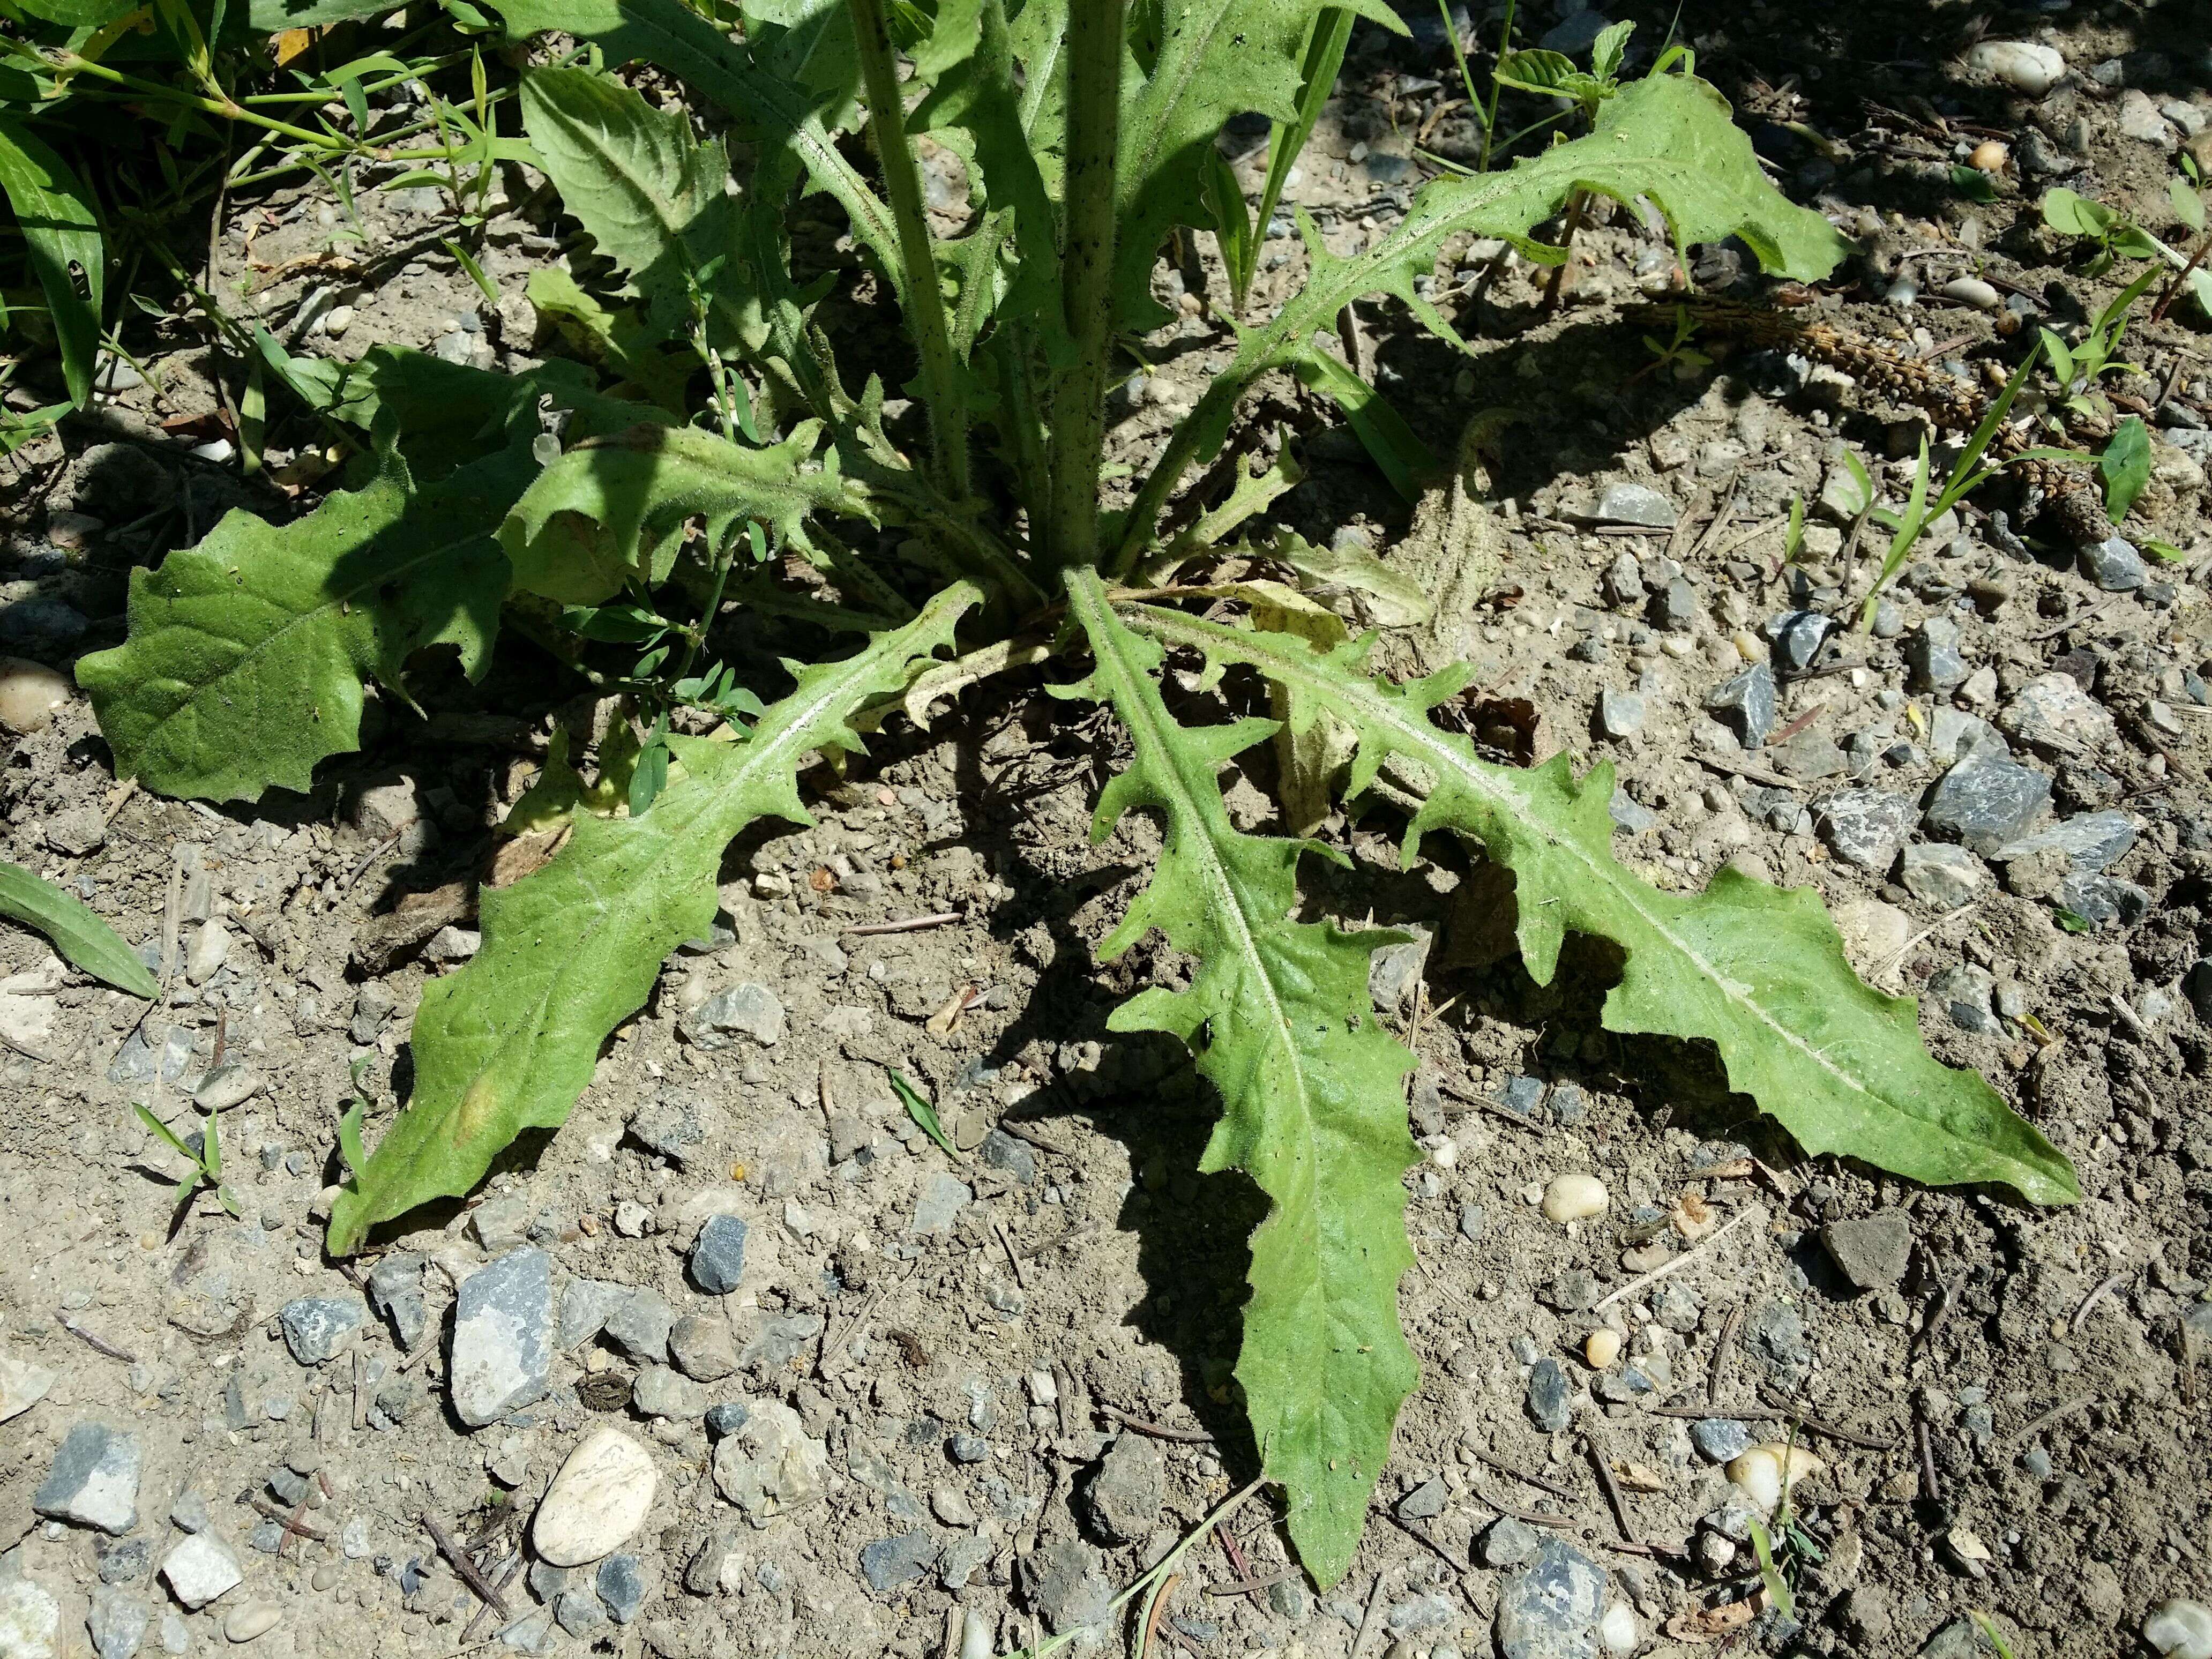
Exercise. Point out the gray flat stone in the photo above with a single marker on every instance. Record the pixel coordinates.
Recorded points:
(587, 1304)
(318, 1329)
(890, 1562)
(1124, 1498)
(639, 1325)
(395, 1291)
(718, 1258)
(200, 1569)
(1550, 1399)
(2054, 711)
(1941, 875)
(1748, 702)
(1635, 504)
(1071, 1591)
(943, 1197)
(1865, 827)
(2114, 565)
(1932, 656)
(1987, 802)
(2093, 842)
(1620, 714)
(1549, 1608)
(502, 1342)
(117, 1621)
(94, 1480)
(1873, 1250)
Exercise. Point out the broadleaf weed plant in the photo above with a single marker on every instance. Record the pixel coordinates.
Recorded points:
(620, 510)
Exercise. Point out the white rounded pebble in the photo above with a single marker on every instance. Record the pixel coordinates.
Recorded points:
(1602, 1347)
(598, 1498)
(1574, 1198)
(30, 692)
(2021, 64)
(1758, 1472)
(2180, 1630)
(1617, 1630)
(1973, 291)
(253, 1618)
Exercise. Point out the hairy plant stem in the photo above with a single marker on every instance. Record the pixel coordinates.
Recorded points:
(1078, 398)
(925, 295)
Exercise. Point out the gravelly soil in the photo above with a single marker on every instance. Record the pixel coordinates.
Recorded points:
(977, 1397)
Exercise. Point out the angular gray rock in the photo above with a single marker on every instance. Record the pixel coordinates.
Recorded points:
(2114, 565)
(1941, 875)
(200, 1569)
(1796, 636)
(318, 1329)
(1636, 504)
(94, 1480)
(395, 1291)
(1986, 802)
(117, 1621)
(1549, 1609)
(943, 1197)
(1071, 1591)
(890, 1562)
(1124, 1497)
(2102, 900)
(1871, 1250)
(1620, 714)
(1932, 656)
(1748, 702)
(717, 1258)
(1865, 827)
(639, 1325)
(502, 1343)
(702, 1347)
(1718, 1439)
(751, 1010)
(587, 1304)
(1550, 1399)
(2054, 711)
(2093, 842)
(624, 1583)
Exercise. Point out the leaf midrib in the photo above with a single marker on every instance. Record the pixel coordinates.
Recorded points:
(1142, 715)
(1433, 749)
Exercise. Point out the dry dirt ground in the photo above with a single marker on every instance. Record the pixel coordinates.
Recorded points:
(951, 1403)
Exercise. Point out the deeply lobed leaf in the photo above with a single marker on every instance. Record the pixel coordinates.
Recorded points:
(612, 511)
(509, 1042)
(1757, 972)
(1311, 1086)
(1667, 138)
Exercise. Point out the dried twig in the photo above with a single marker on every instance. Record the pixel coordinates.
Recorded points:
(94, 1340)
(1722, 1354)
(1145, 1426)
(1522, 1475)
(1014, 1256)
(2035, 1425)
(911, 925)
(458, 1559)
(1595, 1451)
(1675, 1262)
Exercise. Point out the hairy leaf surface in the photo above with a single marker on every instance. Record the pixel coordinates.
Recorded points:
(1667, 138)
(81, 937)
(766, 108)
(614, 510)
(1757, 972)
(247, 654)
(509, 1042)
(650, 195)
(1313, 1106)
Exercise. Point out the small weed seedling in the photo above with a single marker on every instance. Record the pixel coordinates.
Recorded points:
(715, 445)
(206, 1161)
(1967, 474)
(2108, 233)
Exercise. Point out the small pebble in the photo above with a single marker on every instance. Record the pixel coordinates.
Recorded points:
(1973, 291)
(1602, 1347)
(1758, 1472)
(253, 1618)
(1574, 1197)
